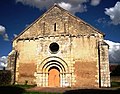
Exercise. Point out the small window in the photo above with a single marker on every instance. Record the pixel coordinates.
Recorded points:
(55, 27)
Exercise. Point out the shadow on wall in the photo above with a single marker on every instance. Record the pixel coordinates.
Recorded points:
(11, 90)
(93, 91)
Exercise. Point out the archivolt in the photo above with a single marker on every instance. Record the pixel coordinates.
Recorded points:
(53, 61)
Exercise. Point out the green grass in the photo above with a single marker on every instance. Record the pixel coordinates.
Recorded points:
(115, 84)
(32, 92)
(40, 93)
(20, 89)
(25, 86)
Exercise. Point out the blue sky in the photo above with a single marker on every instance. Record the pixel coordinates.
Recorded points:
(16, 15)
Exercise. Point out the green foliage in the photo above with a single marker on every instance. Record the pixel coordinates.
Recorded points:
(115, 84)
(24, 86)
(32, 92)
(5, 77)
(116, 72)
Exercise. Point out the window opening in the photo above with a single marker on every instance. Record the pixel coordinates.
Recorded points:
(54, 47)
(55, 27)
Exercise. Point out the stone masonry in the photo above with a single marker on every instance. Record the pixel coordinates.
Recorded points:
(61, 47)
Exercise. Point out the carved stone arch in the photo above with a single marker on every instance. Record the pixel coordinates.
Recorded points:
(60, 62)
(53, 63)
(47, 69)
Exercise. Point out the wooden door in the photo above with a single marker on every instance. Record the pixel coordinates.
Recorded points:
(54, 78)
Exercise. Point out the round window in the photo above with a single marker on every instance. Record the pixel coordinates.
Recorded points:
(54, 47)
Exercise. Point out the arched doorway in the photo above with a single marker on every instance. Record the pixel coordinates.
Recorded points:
(53, 72)
(54, 77)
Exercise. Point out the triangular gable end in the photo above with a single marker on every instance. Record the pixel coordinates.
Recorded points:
(34, 22)
(41, 17)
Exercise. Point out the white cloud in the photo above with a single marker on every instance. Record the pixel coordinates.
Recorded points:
(114, 51)
(102, 20)
(95, 2)
(73, 9)
(36, 3)
(5, 36)
(2, 30)
(15, 35)
(66, 6)
(71, 5)
(3, 61)
(3, 33)
(114, 13)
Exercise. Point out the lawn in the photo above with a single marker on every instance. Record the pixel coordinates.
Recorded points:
(115, 84)
(24, 86)
(21, 89)
(80, 91)
(32, 92)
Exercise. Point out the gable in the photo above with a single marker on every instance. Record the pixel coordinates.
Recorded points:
(57, 21)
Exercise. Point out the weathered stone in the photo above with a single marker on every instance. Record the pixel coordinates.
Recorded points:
(79, 58)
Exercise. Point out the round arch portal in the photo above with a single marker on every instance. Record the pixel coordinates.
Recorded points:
(53, 72)
(43, 66)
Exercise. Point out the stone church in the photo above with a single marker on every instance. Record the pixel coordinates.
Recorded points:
(60, 50)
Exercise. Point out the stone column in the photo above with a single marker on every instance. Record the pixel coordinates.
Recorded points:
(104, 65)
(47, 79)
(68, 80)
(61, 80)
(43, 82)
(39, 80)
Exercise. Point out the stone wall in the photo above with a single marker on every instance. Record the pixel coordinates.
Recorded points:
(85, 56)
(86, 74)
(77, 57)
(26, 61)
